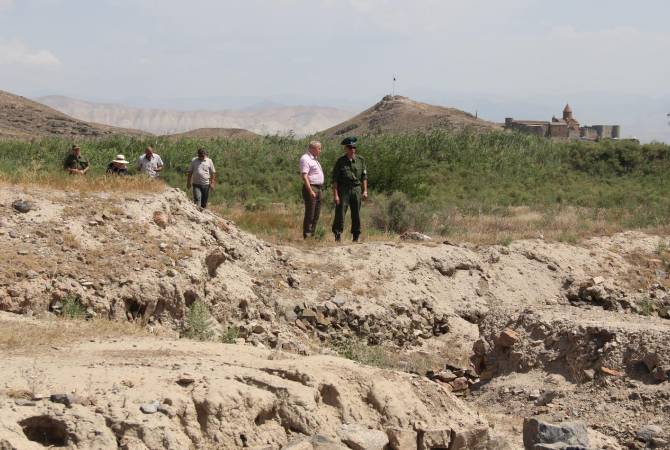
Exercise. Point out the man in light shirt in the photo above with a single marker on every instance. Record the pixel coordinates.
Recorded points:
(201, 176)
(150, 163)
(312, 180)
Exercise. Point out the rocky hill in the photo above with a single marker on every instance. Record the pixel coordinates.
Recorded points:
(302, 120)
(21, 118)
(463, 346)
(396, 114)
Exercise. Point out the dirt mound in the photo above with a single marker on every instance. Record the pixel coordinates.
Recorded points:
(401, 114)
(473, 319)
(215, 133)
(21, 118)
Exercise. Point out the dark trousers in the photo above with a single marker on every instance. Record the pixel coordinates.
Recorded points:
(200, 194)
(312, 210)
(349, 198)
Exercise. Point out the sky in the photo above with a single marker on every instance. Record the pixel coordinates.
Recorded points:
(516, 57)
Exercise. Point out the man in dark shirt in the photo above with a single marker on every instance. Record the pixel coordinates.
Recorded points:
(74, 163)
(350, 186)
(119, 166)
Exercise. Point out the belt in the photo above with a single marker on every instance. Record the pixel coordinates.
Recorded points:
(317, 185)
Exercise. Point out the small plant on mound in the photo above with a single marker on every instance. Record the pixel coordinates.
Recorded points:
(73, 308)
(231, 335)
(198, 322)
(645, 306)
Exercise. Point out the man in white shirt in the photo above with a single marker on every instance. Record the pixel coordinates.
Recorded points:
(150, 163)
(201, 176)
(312, 180)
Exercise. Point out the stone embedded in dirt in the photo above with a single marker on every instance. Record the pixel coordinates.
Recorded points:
(536, 431)
(445, 376)
(661, 373)
(589, 374)
(64, 399)
(434, 438)
(150, 408)
(214, 260)
(358, 437)
(22, 206)
(648, 432)
(414, 236)
(595, 281)
(508, 338)
(612, 372)
(160, 219)
(293, 281)
(651, 360)
(23, 402)
(401, 439)
(339, 300)
(185, 380)
(460, 384)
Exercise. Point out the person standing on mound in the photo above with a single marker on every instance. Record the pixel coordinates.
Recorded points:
(350, 188)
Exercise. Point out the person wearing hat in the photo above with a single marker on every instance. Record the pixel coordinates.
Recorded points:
(201, 175)
(74, 163)
(118, 166)
(350, 187)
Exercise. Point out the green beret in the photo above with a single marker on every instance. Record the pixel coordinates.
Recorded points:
(350, 141)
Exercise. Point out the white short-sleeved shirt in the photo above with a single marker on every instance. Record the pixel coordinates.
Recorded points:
(150, 165)
(201, 171)
(310, 165)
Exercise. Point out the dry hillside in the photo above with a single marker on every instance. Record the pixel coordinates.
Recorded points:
(21, 118)
(215, 133)
(464, 346)
(401, 114)
(302, 120)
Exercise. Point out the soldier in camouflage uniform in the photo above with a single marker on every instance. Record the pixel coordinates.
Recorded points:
(350, 187)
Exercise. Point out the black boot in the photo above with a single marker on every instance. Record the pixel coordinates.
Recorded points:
(356, 237)
(338, 237)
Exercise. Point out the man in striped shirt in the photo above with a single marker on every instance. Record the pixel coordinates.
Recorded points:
(312, 180)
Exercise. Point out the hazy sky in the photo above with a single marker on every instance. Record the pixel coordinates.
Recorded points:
(346, 50)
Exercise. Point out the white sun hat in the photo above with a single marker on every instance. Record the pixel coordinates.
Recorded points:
(120, 159)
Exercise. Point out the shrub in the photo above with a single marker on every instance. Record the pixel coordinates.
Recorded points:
(396, 214)
(198, 324)
(231, 335)
(73, 308)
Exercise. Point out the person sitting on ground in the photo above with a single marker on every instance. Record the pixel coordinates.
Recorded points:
(118, 166)
(201, 176)
(150, 163)
(74, 163)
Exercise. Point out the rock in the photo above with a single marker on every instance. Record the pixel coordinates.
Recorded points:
(434, 438)
(339, 300)
(293, 281)
(536, 431)
(321, 442)
(661, 373)
(24, 402)
(358, 437)
(651, 360)
(185, 380)
(22, 206)
(302, 444)
(446, 376)
(150, 408)
(214, 260)
(611, 372)
(401, 439)
(508, 338)
(474, 438)
(597, 280)
(64, 399)
(460, 384)
(414, 236)
(160, 219)
(648, 432)
(589, 374)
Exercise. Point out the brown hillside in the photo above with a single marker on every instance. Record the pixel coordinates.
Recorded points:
(396, 114)
(215, 133)
(21, 118)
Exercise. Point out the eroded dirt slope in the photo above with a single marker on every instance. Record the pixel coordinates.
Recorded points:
(534, 328)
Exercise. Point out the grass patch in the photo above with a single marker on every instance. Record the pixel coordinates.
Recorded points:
(483, 188)
(387, 358)
(231, 335)
(73, 308)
